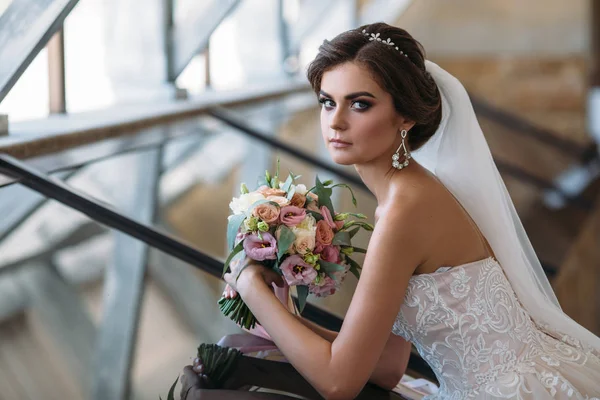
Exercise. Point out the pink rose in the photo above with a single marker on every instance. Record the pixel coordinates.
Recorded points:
(297, 272)
(292, 216)
(260, 250)
(329, 219)
(330, 254)
(267, 212)
(324, 234)
(325, 288)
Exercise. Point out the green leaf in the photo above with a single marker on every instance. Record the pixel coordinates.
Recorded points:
(359, 250)
(294, 177)
(236, 250)
(286, 238)
(354, 267)
(324, 195)
(302, 295)
(262, 182)
(315, 214)
(290, 194)
(330, 268)
(351, 192)
(171, 395)
(342, 239)
(354, 231)
(232, 228)
(288, 183)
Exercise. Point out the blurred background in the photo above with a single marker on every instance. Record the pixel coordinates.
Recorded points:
(153, 112)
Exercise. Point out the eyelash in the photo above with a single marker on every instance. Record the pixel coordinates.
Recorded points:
(366, 104)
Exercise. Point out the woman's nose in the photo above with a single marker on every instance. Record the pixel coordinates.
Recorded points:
(338, 121)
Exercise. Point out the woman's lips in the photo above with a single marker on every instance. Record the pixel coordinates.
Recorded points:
(337, 143)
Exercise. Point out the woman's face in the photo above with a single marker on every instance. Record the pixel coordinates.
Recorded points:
(358, 120)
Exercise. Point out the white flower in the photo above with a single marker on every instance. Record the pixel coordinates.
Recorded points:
(305, 240)
(301, 189)
(240, 205)
(309, 223)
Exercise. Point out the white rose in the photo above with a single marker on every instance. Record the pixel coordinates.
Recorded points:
(305, 240)
(240, 205)
(301, 189)
(309, 224)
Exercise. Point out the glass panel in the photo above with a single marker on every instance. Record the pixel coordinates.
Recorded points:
(88, 85)
(28, 99)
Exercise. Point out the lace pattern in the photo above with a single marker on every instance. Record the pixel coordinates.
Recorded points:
(468, 324)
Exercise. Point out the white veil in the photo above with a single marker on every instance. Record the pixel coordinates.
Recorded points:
(459, 156)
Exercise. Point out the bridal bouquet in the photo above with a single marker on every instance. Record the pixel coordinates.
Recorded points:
(296, 232)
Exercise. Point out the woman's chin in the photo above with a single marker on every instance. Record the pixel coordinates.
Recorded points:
(342, 160)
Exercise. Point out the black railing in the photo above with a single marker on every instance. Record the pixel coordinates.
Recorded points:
(105, 215)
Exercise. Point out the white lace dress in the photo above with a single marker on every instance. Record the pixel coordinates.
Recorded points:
(467, 323)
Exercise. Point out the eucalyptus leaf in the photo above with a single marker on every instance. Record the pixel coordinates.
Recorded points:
(342, 239)
(291, 193)
(294, 177)
(330, 268)
(286, 238)
(302, 295)
(234, 252)
(353, 232)
(288, 183)
(262, 182)
(315, 214)
(233, 227)
(324, 195)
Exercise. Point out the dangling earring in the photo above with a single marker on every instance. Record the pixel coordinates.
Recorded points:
(396, 157)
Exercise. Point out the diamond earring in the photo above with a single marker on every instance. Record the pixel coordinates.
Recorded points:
(396, 157)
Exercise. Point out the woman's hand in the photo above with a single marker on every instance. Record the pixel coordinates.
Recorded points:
(244, 273)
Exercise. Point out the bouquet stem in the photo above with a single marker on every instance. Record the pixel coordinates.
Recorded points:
(219, 361)
(238, 311)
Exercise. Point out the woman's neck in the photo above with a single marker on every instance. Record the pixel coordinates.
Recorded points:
(379, 177)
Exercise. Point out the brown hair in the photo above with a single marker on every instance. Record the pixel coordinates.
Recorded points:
(415, 93)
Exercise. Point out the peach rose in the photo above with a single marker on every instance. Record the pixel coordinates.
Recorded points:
(267, 191)
(298, 200)
(282, 201)
(304, 243)
(324, 234)
(313, 205)
(267, 212)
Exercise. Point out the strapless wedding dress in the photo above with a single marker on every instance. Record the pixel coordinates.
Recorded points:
(469, 326)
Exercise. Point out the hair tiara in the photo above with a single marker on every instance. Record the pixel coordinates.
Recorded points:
(375, 37)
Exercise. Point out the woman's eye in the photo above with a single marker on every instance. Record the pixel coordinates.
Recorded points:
(326, 102)
(361, 105)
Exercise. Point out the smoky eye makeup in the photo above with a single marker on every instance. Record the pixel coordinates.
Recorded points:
(358, 105)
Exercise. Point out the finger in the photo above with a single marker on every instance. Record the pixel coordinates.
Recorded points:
(188, 379)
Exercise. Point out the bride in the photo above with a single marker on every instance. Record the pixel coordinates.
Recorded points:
(449, 267)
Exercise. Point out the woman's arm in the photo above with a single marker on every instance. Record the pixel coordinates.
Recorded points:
(390, 366)
(340, 369)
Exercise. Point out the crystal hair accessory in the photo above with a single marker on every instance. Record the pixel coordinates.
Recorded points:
(388, 41)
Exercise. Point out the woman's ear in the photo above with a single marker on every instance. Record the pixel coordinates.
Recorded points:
(404, 123)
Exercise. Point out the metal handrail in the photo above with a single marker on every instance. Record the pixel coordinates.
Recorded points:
(103, 214)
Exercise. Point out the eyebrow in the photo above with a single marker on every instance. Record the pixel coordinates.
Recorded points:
(349, 96)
